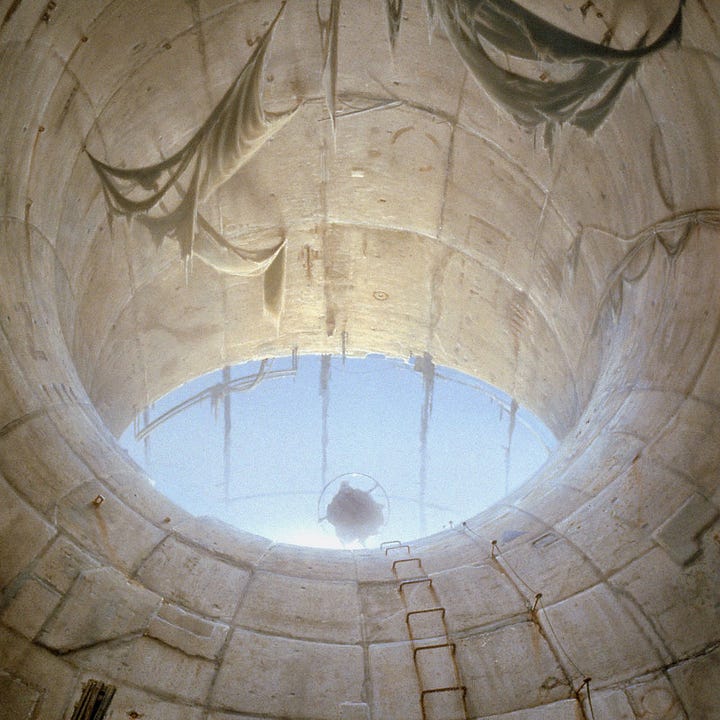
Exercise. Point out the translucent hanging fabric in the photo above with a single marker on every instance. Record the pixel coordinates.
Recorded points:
(598, 72)
(166, 197)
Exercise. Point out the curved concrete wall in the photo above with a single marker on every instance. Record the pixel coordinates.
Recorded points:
(581, 278)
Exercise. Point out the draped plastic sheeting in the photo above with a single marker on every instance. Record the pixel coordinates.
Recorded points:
(599, 72)
(167, 197)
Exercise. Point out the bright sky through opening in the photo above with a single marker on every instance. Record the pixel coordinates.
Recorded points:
(256, 445)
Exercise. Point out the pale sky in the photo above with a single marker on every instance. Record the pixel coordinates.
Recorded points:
(275, 474)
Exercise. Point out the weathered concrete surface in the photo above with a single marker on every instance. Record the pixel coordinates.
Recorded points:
(302, 608)
(184, 574)
(575, 268)
(307, 678)
(24, 533)
(30, 607)
(150, 665)
(101, 606)
(489, 660)
(188, 632)
(20, 699)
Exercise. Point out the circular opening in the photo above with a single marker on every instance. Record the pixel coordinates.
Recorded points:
(273, 446)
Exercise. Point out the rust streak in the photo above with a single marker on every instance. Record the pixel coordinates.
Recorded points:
(703, 7)
(11, 11)
(399, 133)
(102, 527)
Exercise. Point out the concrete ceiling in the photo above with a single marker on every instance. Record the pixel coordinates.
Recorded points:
(555, 237)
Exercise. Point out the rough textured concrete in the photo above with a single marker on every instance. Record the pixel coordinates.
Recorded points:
(184, 574)
(301, 608)
(20, 700)
(570, 259)
(190, 633)
(101, 606)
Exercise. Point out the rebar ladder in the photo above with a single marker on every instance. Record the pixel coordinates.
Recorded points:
(428, 633)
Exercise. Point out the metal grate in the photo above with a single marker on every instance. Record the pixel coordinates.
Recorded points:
(94, 701)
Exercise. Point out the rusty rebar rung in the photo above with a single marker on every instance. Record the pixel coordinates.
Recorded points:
(397, 547)
(437, 646)
(407, 560)
(388, 543)
(415, 581)
(454, 688)
(393, 545)
(441, 610)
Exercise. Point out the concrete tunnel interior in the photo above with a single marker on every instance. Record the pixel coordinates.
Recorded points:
(530, 188)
